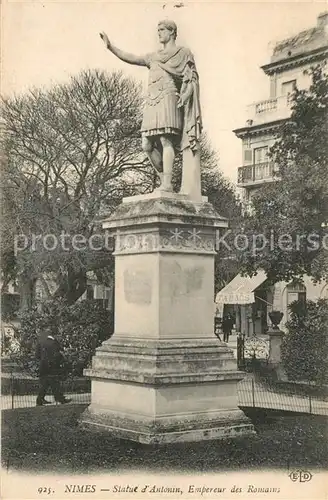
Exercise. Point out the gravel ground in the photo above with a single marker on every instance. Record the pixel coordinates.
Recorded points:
(49, 439)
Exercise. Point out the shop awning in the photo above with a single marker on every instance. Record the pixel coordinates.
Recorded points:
(241, 289)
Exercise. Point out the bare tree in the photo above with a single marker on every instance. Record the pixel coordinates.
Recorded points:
(69, 151)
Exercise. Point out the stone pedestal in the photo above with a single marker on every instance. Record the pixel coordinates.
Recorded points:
(275, 360)
(163, 376)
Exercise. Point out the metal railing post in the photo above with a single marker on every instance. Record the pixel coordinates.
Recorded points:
(253, 393)
(12, 387)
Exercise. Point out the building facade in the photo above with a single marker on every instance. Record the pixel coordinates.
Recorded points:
(288, 68)
(251, 299)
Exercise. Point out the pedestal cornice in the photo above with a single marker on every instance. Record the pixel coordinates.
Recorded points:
(165, 223)
(165, 210)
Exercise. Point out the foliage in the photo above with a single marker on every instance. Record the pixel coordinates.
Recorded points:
(9, 306)
(70, 153)
(80, 328)
(292, 212)
(305, 346)
(222, 195)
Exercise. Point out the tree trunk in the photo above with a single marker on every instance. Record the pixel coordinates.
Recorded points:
(72, 286)
(27, 292)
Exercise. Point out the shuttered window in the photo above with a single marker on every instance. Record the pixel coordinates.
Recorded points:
(248, 156)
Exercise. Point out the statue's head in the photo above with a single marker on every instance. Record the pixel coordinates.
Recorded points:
(166, 30)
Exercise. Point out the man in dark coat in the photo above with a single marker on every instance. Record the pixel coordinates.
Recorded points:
(227, 325)
(51, 360)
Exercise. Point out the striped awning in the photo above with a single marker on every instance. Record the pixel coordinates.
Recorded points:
(241, 289)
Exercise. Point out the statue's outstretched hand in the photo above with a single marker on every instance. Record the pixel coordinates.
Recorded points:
(105, 39)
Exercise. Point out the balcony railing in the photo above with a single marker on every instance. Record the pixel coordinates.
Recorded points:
(266, 106)
(268, 110)
(257, 172)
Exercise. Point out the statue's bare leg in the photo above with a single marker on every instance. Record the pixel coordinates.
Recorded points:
(154, 156)
(168, 161)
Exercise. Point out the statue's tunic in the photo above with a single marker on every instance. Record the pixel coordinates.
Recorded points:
(169, 73)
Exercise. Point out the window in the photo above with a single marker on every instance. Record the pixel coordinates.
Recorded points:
(261, 155)
(248, 156)
(287, 88)
(295, 291)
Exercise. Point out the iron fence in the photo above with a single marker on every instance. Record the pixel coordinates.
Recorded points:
(250, 349)
(266, 394)
(20, 390)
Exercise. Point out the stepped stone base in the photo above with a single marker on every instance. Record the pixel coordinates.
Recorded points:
(157, 392)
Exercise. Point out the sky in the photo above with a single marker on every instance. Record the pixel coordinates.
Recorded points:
(44, 42)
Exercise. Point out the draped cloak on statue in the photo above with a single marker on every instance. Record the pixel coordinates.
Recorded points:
(170, 73)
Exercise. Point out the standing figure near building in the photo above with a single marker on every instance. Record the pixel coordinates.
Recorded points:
(227, 325)
(172, 116)
(51, 360)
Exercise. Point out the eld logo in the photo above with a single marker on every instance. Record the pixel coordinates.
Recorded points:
(303, 476)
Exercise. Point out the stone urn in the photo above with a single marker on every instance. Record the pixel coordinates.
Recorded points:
(275, 317)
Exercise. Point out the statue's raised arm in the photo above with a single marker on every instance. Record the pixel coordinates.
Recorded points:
(124, 56)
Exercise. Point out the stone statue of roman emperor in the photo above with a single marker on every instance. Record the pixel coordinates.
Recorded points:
(171, 116)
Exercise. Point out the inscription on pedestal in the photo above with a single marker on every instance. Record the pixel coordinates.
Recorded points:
(137, 286)
(183, 281)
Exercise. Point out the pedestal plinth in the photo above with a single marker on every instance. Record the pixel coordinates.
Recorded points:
(163, 376)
